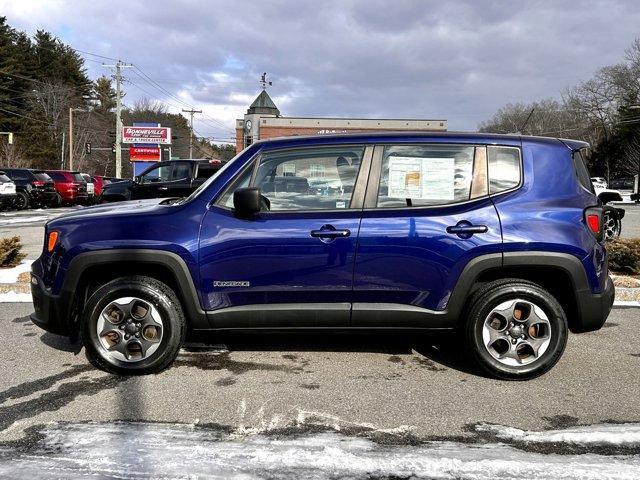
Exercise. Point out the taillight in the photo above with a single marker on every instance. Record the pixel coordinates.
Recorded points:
(51, 241)
(593, 219)
(38, 183)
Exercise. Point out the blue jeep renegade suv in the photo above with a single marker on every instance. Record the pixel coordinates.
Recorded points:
(497, 237)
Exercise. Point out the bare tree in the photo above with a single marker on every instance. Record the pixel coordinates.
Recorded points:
(632, 157)
(13, 156)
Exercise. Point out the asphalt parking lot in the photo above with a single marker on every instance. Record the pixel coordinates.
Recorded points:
(397, 391)
(384, 382)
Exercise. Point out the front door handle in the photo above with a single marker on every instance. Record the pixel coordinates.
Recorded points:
(328, 233)
(464, 229)
(163, 188)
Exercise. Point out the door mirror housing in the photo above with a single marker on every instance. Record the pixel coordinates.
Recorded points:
(137, 179)
(248, 201)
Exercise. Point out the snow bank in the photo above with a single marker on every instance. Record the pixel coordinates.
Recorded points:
(626, 434)
(10, 275)
(125, 450)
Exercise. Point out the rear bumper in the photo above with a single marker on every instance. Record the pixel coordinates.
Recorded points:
(594, 308)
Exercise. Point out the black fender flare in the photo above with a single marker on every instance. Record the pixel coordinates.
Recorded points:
(172, 261)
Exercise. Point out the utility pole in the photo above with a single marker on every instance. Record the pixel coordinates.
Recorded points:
(191, 112)
(118, 77)
(71, 110)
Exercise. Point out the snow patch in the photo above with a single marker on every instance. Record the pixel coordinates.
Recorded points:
(626, 303)
(623, 434)
(15, 297)
(16, 220)
(134, 450)
(10, 275)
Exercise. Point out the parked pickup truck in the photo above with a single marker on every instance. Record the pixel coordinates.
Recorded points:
(175, 178)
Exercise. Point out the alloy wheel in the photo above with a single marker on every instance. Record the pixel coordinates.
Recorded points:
(611, 226)
(516, 332)
(129, 329)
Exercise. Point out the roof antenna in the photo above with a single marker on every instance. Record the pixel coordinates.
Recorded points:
(527, 120)
(264, 82)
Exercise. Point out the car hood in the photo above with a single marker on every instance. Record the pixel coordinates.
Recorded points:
(112, 209)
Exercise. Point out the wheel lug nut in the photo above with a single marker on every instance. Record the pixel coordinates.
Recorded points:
(126, 337)
(138, 325)
(138, 334)
(121, 327)
(511, 324)
(523, 336)
(513, 341)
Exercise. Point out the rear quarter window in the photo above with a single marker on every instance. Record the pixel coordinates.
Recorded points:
(504, 168)
(43, 177)
(581, 171)
(4, 178)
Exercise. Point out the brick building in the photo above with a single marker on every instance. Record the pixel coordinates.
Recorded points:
(263, 120)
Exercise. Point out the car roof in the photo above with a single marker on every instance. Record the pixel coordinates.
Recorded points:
(410, 136)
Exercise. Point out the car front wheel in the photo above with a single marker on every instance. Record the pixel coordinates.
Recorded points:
(515, 330)
(133, 326)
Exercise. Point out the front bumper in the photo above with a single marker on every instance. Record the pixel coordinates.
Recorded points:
(7, 198)
(594, 308)
(51, 311)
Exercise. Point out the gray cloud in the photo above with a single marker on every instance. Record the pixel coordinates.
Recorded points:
(418, 59)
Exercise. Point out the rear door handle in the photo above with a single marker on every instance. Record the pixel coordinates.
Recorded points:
(330, 233)
(163, 188)
(464, 229)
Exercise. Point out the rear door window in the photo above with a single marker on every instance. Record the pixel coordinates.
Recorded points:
(504, 168)
(181, 171)
(78, 178)
(42, 176)
(58, 177)
(425, 175)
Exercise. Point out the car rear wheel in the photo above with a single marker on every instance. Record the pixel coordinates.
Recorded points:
(612, 225)
(22, 201)
(133, 326)
(515, 330)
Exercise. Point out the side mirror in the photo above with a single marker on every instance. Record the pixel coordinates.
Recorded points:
(137, 179)
(247, 201)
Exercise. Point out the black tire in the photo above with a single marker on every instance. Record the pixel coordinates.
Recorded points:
(488, 297)
(156, 293)
(612, 224)
(22, 201)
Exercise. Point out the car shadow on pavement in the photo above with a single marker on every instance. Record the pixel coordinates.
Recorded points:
(436, 352)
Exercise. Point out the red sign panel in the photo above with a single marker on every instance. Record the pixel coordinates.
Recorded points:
(144, 154)
(154, 135)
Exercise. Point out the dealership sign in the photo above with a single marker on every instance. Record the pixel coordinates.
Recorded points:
(144, 154)
(154, 135)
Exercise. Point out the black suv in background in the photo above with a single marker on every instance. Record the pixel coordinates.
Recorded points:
(175, 178)
(34, 188)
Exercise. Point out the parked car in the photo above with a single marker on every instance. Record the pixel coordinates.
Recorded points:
(445, 232)
(71, 187)
(175, 178)
(99, 183)
(627, 183)
(599, 182)
(7, 191)
(34, 188)
(612, 216)
(91, 190)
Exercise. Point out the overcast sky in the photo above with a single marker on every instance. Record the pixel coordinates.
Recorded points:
(391, 59)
